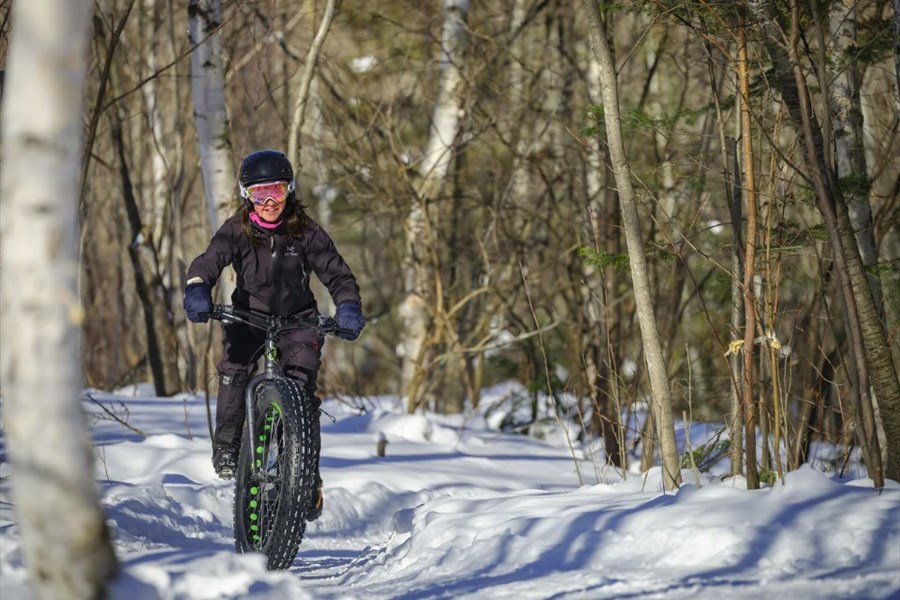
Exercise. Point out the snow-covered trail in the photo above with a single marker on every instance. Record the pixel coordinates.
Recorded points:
(458, 510)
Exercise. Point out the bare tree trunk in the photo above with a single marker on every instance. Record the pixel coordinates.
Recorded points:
(309, 100)
(434, 167)
(157, 144)
(162, 343)
(174, 265)
(749, 264)
(851, 169)
(659, 384)
(67, 545)
(736, 413)
(521, 128)
(848, 133)
(154, 296)
(733, 195)
(604, 217)
(211, 118)
(309, 71)
(97, 110)
(868, 336)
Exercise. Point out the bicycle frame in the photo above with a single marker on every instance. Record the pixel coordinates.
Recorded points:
(273, 326)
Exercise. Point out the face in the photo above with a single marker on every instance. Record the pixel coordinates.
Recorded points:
(269, 199)
(270, 210)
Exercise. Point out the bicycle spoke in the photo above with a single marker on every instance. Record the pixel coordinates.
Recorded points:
(265, 493)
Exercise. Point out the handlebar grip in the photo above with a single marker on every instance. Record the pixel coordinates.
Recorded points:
(329, 325)
(344, 333)
(217, 312)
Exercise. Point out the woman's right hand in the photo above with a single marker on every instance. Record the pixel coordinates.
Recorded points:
(197, 302)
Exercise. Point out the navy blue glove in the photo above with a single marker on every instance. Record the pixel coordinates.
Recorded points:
(197, 302)
(349, 316)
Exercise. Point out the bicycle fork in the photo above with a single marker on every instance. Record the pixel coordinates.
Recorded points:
(270, 371)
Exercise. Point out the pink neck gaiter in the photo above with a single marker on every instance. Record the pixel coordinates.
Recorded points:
(263, 223)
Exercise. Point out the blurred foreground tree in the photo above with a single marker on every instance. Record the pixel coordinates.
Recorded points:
(67, 545)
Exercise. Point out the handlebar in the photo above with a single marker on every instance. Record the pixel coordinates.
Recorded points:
(274, 324)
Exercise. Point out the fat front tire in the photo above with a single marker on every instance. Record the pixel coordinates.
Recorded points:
(270, 506)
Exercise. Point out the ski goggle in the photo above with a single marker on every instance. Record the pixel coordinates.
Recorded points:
(260, 193)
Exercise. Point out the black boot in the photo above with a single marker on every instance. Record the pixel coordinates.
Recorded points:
(229, 422)
(230, 409)
(224, 461)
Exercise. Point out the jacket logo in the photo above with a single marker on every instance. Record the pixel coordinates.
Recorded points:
(291, 251)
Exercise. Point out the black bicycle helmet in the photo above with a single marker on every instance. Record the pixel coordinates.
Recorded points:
(264, 166)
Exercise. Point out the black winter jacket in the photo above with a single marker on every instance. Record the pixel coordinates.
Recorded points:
(273, 276)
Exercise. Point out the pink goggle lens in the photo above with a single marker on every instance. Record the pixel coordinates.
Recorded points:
(262, 192)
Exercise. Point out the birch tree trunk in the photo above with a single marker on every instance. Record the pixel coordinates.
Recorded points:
(659, 384)
(67, 545)
(851, 168)
(156, 190)
(520, 128)
(433, 169)
(848, 131)
(211, 117)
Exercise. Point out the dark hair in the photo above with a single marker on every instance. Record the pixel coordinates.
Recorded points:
(295, 220)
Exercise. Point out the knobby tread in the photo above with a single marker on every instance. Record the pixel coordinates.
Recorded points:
(284, 530)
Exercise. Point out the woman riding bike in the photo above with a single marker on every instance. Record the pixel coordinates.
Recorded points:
(273, 246)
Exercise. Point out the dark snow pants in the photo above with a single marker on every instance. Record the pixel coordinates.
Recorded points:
(301, 354)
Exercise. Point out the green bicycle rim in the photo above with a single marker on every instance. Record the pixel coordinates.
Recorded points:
(263, 498)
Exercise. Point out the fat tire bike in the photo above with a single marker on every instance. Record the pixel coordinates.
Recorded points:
(276, 479)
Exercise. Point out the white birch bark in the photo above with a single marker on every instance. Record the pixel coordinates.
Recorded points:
(211, 117)
(433, 169)
(517, 93)
(595, 179)
(157, 190)
(659, 383)
(67, 547)
(848, 131)
(448, 109)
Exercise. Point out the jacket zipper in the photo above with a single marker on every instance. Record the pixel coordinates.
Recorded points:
(276, 275)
